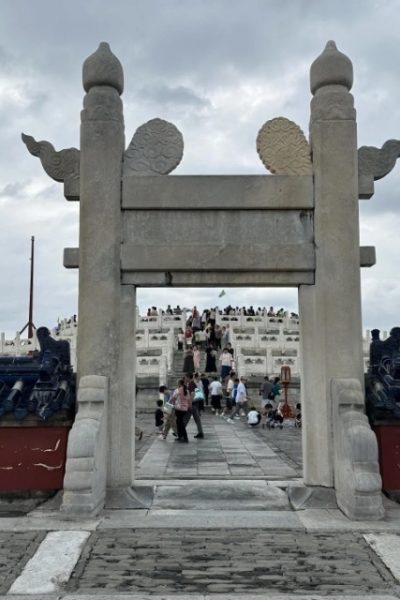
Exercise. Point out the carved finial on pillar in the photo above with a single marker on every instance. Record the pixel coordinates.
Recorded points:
(331, 68)
(103, 68)
(331, 78)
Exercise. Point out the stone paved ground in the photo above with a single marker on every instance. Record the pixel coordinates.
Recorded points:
(228, 451)
(15, 551)
(222, 561)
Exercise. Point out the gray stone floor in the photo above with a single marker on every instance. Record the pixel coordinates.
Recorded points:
(15, 551)
(228, 451)
(234, 561)
(219, 527)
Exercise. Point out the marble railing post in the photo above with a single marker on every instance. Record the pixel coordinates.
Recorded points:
(102, 147)
(330, 310)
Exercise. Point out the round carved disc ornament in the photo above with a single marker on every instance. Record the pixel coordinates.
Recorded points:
(283, 148)
(156, 149)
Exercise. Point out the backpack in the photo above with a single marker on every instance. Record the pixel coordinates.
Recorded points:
(198, 395)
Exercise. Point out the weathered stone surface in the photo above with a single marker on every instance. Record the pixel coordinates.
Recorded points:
(375, 163)
(155, 149)
(302, 498)
(358, 483)
(331, 67)
(232, 561)
(52, 564)
(283, 148)
(16, 548)
(243, 496)
(102, 68)
(61, 166)
(330, 310)
(218, 192)
(85, 472)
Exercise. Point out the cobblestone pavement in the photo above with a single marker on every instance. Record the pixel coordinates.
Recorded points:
(15, 551)
(221, 561)
(228, 451)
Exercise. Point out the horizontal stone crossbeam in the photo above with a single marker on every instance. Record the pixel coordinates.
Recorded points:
(71, 261)
(217, 192)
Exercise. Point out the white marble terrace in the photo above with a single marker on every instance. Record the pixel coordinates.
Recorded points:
(262, 344)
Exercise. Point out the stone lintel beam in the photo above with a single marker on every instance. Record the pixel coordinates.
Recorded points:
(218, 278)
(71, 261)
(197, 258)
(217, 192)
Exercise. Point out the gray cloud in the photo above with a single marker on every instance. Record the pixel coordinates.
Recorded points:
(218, 70)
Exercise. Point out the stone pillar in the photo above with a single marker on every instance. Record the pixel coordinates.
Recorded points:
(124, 422)
(330, 310)
(102, 146)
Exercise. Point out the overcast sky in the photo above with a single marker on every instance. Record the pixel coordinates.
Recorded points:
(218, 69)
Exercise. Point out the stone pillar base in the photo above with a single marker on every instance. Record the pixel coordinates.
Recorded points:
(129, 498)
(301, 498)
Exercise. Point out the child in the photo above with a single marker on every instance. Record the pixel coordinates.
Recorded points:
(159, 415)
(253, 417)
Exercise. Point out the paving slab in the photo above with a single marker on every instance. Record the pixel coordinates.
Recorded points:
(335, 520)
(235, 561)
(387, 547)
(204, 519)
(243, 495)
(99, 595)
(51, 565)
(50, 521)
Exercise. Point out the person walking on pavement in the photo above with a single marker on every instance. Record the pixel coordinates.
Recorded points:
(183, 402)
(241, 400)
(196, 400)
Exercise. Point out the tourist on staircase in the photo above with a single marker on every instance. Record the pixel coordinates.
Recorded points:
(188, 363)
(196, 358)
(180, 339)
(211, 356)
(226, 364)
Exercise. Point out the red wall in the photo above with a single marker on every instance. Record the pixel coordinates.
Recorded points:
(388, 437)
(32, 458)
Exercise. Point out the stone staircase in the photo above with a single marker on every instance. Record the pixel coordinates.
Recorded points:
(177, 366)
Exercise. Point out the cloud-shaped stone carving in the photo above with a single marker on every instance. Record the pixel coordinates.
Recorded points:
(156, 149)
(283, 148)
(63, 166)
(378, 162)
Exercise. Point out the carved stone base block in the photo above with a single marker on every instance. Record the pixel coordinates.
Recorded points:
(85, 473)
(356, 470)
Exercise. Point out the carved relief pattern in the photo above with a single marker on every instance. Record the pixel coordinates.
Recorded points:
(156, 149)
(102, 104)
(378, 162)
(283, 148)
(58, 165)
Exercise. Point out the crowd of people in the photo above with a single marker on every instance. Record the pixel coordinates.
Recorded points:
(229, 310)
(228, 399)
(219, 385)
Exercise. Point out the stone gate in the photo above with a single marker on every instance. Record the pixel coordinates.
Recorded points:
(297, 227)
